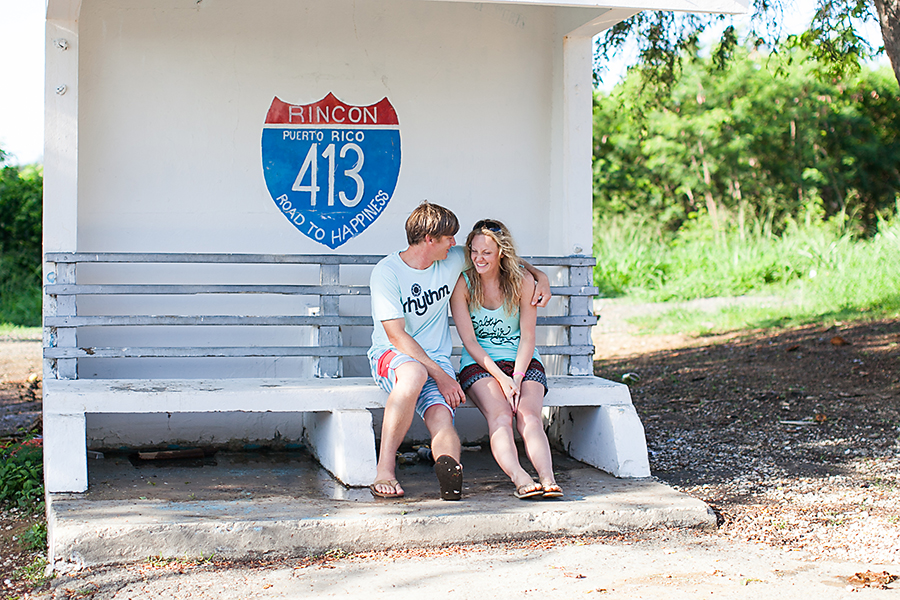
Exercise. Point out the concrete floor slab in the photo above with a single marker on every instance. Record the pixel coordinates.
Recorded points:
(281, 503)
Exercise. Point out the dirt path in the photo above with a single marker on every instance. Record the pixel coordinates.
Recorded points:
(20, 369)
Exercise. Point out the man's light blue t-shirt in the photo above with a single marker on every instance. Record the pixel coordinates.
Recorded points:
(420, 297)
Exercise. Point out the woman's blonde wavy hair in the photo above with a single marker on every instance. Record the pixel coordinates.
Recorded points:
(511, 271)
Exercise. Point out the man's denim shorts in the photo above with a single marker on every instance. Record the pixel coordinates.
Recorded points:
(384, 372)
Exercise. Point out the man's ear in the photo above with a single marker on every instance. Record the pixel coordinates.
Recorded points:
(428, 239)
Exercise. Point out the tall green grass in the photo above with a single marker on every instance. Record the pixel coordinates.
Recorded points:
(819, 269)
(20, 291)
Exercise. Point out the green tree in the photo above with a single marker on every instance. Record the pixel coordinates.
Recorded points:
(21, 190)
(832, 38)
(745, 146)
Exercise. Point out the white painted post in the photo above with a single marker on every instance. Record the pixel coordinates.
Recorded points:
(578, 98)
(48, 335)
(610, 438)
(329, 366)
(60, 221)
(66, 337)
(572, 229)
(578, 335)
(61, 128)
(343, 442)
(65, 448)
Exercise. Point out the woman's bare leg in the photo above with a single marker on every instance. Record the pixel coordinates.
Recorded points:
(530, 424)
(489, 398)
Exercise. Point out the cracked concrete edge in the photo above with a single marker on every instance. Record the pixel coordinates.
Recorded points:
(76, 544)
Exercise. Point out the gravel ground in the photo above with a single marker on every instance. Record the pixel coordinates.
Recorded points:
(791, 436)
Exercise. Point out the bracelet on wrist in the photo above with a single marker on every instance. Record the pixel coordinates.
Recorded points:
(518, 373)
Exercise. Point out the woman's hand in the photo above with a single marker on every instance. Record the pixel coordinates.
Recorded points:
(510, 391)
(517, 382)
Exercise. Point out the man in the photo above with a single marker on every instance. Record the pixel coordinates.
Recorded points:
(411, 344)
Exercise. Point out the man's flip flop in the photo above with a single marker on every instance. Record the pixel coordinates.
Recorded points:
(391, 482)
(449, 474)
(523, 491)
(552, 491)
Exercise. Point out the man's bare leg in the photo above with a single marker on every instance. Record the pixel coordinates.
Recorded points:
(445, 448)
(398, 415)
(444, 439)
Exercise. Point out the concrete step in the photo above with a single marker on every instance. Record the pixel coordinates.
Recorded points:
(248, 504)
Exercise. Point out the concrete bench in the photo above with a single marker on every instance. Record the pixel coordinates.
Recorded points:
(105, 312)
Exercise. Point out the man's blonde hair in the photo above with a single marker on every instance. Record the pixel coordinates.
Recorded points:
(430, 219)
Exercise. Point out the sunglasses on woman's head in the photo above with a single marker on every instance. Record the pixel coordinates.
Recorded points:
(489, 225)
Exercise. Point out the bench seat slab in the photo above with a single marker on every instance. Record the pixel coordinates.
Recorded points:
(591, 418)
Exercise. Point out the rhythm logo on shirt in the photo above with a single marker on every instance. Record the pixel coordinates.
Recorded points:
(419, 301)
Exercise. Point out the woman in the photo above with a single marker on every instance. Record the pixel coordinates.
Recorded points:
(500, 371)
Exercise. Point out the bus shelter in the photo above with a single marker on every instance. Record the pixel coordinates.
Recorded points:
(311, 127)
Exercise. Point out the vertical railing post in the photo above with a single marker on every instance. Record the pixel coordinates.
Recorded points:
(329, 305)
(48, 334)
(66, 337)
(578, 334)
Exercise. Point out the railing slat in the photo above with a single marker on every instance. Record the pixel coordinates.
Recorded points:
(201, 258)
(182, 289)
(282, 320)
(271, 259)
(252, 351)
(169, 289)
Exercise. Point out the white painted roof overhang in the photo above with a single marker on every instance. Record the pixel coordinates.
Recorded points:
(68, 10)
(702, 6)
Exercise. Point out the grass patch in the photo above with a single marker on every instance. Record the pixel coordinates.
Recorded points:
(814, 273)
(766, 315)
(8, 331)
(35, 572)
(20, 291)
(35, 539)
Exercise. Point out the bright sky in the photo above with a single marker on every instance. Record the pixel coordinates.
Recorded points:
(22, 79)
(22, 75)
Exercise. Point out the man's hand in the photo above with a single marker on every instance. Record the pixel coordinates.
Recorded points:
(542, 293)
(450, 390)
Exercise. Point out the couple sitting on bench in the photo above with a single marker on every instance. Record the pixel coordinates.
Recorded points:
(494, 304)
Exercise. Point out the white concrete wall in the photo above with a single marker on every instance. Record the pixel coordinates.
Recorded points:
(173, 95)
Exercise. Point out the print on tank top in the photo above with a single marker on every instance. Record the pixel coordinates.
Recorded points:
(495, 331)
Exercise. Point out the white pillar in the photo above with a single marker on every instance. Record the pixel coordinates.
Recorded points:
(60, 221)
(572, 227)
(61, 126)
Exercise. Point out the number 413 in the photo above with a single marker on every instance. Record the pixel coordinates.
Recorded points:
(311, 164)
